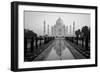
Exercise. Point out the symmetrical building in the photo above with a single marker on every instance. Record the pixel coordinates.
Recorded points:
(60, 30)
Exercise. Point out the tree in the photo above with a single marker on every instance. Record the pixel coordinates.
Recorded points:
(85, 31)
(89, 34)
(86, 34)
(29, 33)
(77, 34)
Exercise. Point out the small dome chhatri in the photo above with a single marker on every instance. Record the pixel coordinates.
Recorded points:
(59, 21)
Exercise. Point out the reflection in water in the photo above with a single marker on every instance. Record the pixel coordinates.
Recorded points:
(57, 47)
(66, 54)
(52, 55)
(59, 52)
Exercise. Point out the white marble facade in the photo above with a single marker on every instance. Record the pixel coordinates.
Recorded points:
(59, 29)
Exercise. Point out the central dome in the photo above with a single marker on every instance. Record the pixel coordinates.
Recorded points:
(59, 21)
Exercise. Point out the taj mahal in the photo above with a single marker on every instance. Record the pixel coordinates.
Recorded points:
(59, 30)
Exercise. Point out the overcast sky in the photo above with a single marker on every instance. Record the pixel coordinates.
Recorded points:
(34, 20)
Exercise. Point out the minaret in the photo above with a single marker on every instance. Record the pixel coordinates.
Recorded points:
(64, 31)
(48, 29)
(67, 30)
(52, 30)
(73, 28)
(70, 30)
(44, 27)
